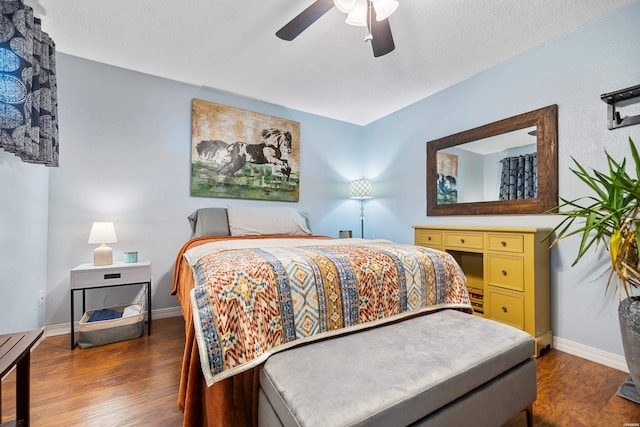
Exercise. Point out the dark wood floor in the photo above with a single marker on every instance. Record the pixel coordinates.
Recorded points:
(577, 392)
(130, 383)
(135, 383)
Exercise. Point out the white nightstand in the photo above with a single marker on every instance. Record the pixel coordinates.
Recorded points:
(89, 276)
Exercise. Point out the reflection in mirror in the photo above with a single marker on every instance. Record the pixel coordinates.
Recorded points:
(505, 167)
(500, 167)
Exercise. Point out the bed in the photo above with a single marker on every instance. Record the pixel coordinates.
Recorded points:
(271, 252)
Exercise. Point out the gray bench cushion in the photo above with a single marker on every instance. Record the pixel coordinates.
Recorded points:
(391, 375)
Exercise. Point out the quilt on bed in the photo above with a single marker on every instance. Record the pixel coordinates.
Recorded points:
(249, 302)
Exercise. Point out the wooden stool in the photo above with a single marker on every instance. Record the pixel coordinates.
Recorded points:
(15, 350)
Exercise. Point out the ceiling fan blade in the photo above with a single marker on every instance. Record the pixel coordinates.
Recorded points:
(382, 42)
(307, 17)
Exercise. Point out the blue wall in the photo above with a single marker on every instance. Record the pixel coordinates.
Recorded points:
(23, 243)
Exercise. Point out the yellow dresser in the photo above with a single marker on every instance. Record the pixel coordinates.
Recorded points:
(507, 271)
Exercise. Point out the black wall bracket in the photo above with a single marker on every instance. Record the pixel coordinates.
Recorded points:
(621, 98)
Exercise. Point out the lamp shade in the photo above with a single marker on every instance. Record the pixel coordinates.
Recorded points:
(384, 8)
(358, 15)
(358, 10)
(102, 232)
(361, 189)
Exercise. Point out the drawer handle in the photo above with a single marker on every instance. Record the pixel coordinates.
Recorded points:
(429, 238)
(504, 309)
(461, 240)
(503, 243)
(504, 272)
(112, 276)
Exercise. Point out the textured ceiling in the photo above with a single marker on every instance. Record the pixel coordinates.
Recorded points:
(328, 70)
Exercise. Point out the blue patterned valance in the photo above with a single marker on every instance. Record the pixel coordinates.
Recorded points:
(28, 92)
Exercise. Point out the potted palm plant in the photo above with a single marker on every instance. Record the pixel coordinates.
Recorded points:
(611, 217)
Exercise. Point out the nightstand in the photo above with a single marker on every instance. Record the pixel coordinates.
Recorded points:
(89, 276)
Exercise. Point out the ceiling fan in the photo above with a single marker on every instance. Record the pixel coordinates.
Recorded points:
(372, 14)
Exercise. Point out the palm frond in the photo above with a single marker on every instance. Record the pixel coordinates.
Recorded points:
(611, 210)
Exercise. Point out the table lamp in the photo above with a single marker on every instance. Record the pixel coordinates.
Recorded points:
(102, 233)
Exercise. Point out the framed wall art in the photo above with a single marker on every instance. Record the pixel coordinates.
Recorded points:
(447, 190)
(241, 154)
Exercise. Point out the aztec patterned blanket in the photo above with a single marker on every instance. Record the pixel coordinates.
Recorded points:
(254, 298)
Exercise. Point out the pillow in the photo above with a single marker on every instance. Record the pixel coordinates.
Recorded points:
(209, 222)
(244, 221)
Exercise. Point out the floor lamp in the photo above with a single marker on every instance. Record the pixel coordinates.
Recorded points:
(361, 189)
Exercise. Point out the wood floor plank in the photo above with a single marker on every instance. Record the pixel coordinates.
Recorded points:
(135, 383)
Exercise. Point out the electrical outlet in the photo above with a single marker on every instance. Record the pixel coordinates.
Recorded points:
(41, 298)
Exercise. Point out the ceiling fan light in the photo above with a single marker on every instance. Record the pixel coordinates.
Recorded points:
(384, 8)
(345, 6)
(358, 15)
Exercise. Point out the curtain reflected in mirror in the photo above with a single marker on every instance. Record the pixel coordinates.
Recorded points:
(519, 178)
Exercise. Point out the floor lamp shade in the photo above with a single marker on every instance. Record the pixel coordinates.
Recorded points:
(102, 233)
(361, 189)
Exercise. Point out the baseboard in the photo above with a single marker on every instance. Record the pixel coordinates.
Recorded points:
(593, 354)
(65, 328)
(163, 313)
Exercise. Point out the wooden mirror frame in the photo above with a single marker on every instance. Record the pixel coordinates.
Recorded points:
(546, 122)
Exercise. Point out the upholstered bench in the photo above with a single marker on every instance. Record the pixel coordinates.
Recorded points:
(442, 369)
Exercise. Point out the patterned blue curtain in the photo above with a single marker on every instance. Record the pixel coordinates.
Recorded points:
(519, 178)
(28, 89)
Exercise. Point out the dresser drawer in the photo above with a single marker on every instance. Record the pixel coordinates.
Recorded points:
(506, 271)
(87, 276)
(506, 307)
(429, 238)
(464, 240)
(506, 242)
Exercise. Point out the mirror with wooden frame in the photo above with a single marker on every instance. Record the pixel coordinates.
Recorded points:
(506, 167)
